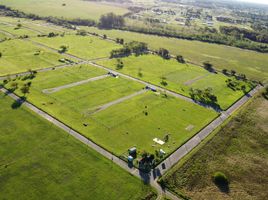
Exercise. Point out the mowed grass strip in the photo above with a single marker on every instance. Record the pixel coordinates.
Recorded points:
(179, 77)
(40, 161)
(67, 9)
(109, 128)
(19, 56)
(87, 47)
(251, 63)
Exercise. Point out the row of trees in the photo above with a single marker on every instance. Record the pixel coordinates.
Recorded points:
(242, 33)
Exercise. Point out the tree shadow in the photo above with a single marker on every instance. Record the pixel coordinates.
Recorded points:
(223, 186)
(17, 104)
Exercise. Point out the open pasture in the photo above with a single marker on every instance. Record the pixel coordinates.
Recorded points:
(37, 26)
(14, 31)
(251, 63)
(20, 55)
(87, 47)
(122, 124)
(179, 77)
(39, 160)
(67, 9)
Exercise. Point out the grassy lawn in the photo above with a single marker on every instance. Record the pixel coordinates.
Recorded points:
(88, 47)
(19, 56)
(180, 77)
(40, 161)
(72, 9)
(239, 150)
(12, 29)
(36, 26)
(120, 126)
(251, 63)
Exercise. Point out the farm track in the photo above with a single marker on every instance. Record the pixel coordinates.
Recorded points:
(105, 106)
(56, 89)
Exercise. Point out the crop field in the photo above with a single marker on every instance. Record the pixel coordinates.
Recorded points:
(88, 47)
(66, 9)
(40, 160)
(251, 63)
(180, 77)
(135, 121)
(20, 55)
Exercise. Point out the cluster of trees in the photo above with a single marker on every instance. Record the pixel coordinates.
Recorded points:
(242, 33)
(235, 85)
(205, 96)
(242, 77)
(111, 20)
(25, 89)
(134, 47)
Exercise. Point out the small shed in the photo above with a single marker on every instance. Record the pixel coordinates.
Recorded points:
(132, 151)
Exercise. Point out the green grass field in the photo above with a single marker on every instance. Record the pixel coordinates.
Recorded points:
(38, 160)
(72, 9)
(88, 47)
(180, 77)
(239, 150)
(120, 126)
(251, 63)
(19, 56)
(13, 30)
(36, 26)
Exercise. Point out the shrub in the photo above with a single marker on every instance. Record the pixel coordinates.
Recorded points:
(220, 178)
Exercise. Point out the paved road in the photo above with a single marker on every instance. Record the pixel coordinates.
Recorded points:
(56, 89)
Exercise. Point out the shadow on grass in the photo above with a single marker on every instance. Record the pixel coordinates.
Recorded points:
(223, 186)
(17, 104)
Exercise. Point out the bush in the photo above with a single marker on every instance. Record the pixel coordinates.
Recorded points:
(220, 178)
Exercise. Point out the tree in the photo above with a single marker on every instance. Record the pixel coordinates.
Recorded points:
(233, 72)
(163, 81)
(208, 66)
(225, 71)
(180, 59)
(25, 89)
(119, 64)
(63, 49)
(18, 26)
(14, 85)
(164, 53)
